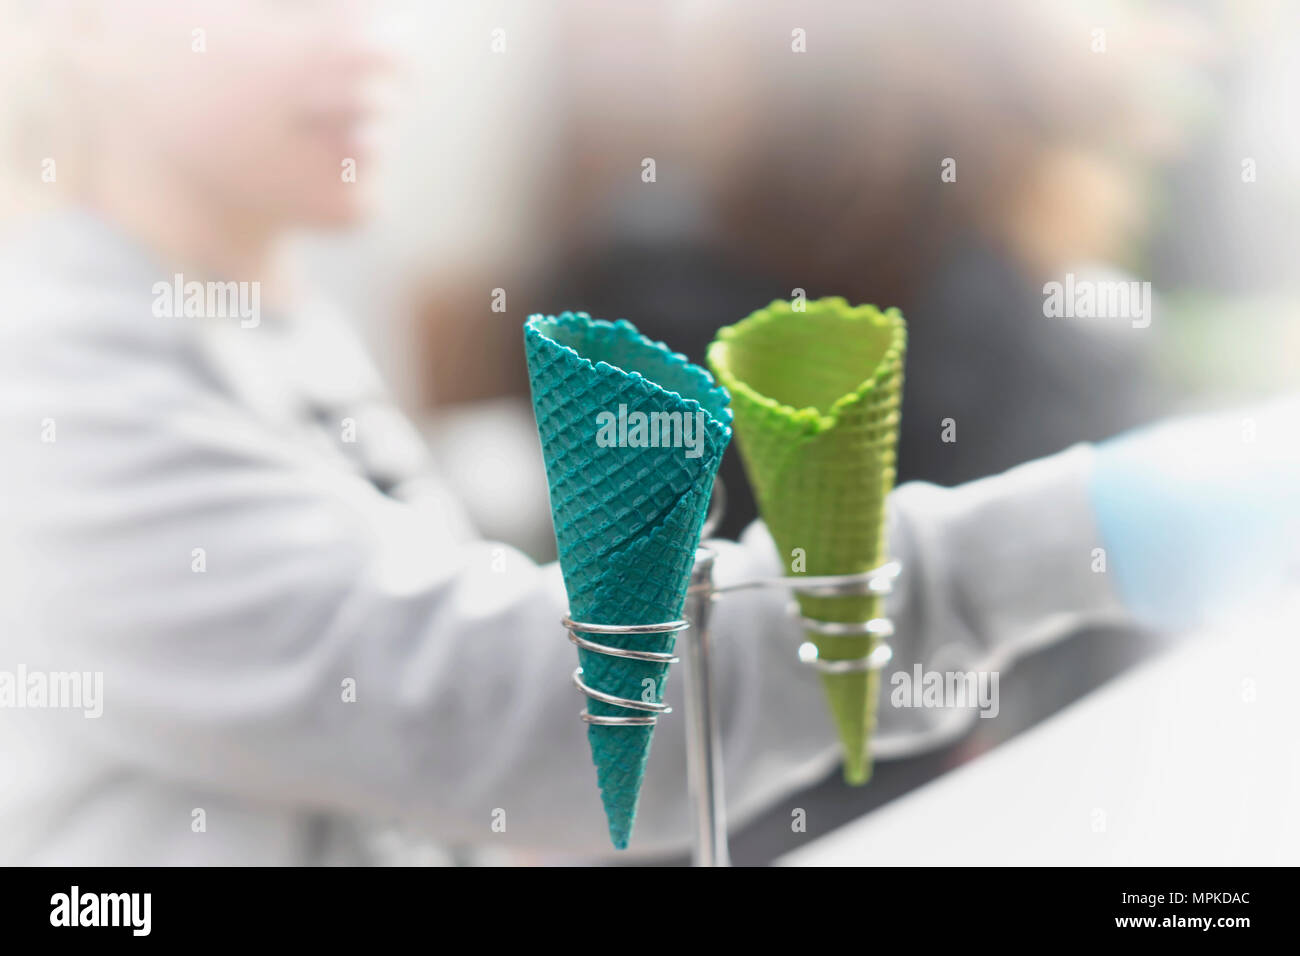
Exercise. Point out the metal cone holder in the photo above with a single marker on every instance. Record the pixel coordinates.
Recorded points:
(703, 740)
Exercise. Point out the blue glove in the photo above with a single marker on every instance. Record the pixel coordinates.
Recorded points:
(1201, 516)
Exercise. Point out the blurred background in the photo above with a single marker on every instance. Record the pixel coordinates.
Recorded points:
(1105, 139)
(777, 170)
(800, 146)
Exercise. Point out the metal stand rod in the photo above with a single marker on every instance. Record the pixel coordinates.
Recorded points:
(703, 740)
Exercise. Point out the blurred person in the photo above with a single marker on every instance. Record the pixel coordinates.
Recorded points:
(821, 171)
(185, 513)
(192, 518)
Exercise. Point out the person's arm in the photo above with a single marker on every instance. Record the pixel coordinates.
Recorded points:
(992, 570)
(1169, 527)
(236, 590)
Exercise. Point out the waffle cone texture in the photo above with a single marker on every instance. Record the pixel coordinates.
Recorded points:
(816, 396)
(627, 516)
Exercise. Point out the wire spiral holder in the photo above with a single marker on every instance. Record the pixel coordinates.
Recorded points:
(703, 741)
(653, 656)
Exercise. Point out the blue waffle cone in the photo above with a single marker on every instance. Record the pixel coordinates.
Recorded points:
(627, 519)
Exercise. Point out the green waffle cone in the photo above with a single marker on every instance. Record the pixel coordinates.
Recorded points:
(816, 398)
(627, 519)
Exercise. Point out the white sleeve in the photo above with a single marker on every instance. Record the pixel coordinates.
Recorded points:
(992, 570)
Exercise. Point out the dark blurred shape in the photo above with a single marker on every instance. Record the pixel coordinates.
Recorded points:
(980, 351)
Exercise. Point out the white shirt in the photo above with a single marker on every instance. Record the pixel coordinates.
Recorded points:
(199, 532)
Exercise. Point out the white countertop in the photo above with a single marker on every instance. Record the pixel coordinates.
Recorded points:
(1191, 758)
